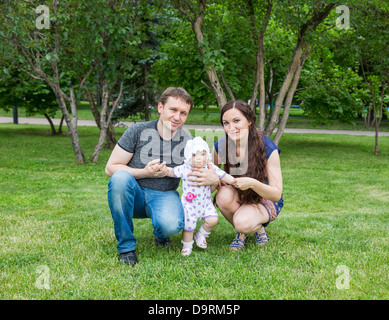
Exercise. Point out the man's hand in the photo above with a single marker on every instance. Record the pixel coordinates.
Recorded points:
(154, 169)
(204, 177)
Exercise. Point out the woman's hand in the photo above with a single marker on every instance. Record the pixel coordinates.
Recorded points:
(244, 183)
(204, 177)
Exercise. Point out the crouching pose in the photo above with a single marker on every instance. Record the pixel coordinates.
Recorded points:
(255, 199)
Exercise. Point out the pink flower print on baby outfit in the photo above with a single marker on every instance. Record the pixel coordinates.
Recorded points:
(196, 201)
(190, 197)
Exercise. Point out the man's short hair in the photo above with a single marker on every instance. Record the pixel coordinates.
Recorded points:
(176, 92)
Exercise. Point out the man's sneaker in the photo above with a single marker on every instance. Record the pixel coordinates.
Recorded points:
(128, 258)
(162, 242)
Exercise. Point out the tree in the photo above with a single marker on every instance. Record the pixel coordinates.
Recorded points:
(116, 54)
(366, 44)
(374, 56)
(17, 89)
(332, 85)
(180, 62)
(43, 53)
(88, 49)
(300, 19)
(305, 20)
(195, 13)
(139, 90)
(103, 54)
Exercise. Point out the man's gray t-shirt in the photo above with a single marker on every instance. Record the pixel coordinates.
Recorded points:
(143, 140)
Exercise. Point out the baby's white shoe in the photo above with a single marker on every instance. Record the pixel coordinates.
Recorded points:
(201, 239)
(186, 251)
(187, 248)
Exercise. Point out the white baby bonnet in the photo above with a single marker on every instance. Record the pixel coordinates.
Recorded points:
(194, 145)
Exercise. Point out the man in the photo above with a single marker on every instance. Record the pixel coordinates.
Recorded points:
(139, 187)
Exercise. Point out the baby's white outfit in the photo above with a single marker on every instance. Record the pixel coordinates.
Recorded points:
(197, 201)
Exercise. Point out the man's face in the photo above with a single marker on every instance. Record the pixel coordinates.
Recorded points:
(173, 114)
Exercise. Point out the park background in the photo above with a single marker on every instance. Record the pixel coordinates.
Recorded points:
(301, 64)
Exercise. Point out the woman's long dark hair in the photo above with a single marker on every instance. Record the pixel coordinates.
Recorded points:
(256, 162)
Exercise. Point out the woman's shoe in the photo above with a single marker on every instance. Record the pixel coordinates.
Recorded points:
(237, 243)
(261, 238)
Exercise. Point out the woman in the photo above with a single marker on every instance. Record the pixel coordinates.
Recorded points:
(255, 199)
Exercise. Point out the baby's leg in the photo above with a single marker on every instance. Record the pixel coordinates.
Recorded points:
(205, 231)
(187, 241)
(210, 223)
(187, 236)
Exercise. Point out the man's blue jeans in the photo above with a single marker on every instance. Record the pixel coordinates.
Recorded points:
(128, 200)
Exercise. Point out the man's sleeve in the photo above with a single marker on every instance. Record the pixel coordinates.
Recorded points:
(128, 140)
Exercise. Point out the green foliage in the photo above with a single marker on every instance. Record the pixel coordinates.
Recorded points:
(150, 46)
(180, 64)
(17, 89)
(331, 91)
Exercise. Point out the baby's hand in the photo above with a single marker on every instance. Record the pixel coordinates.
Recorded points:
(160, 170)
(169, 172)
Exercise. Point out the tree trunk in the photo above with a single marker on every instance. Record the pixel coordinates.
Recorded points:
(216, 87)
(317, 17)
(369, 118)
(103, 120)
(260, 81)
(111, 140)
(106, 115)
(260, 64)
(210, 71)
(270, 93)
(60, 125)
(93, 107)
(273, 121)
(80, 157)
(378, 121)
(52, 127)
(59, 94)
(230, 93)
(289, 98)
(110, 136)
(376, 149)
(371, 88)
(71, 123)
(146, 94)
(99, 146)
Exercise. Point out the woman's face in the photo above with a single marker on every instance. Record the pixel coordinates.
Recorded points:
(235, 124)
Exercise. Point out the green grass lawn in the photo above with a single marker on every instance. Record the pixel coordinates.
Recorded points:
(330, 240)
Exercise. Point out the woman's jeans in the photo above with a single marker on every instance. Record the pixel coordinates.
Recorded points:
(128, 200)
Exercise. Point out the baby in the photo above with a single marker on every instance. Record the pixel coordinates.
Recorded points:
(196, 200)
